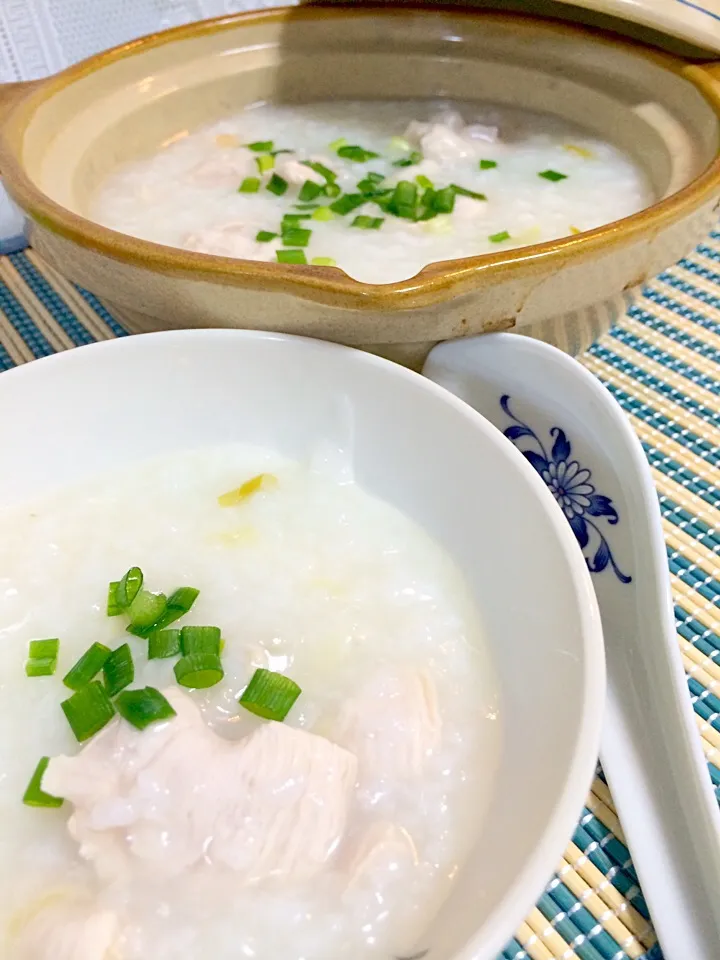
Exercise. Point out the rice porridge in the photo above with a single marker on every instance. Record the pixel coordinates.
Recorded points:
(288, 763)
(379, 189)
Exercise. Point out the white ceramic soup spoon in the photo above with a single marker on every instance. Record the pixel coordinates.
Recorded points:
(576, 435)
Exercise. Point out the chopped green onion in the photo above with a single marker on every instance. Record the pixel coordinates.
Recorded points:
(330, 175)
(39, 649)
(265, 162)
(422, 181)
(499, 237)
(119, 670)
(296, 237)
(306, 206)
(113, 607)
(35, 796)
(368, 223)
(261, 146)
(277, 185)
(199, 640)
(356, 154)
(277, 153)
(265, 236)
(444, 200)
(87, 667)
(413, 158)
(553, 176)
(128, 588)
(403, 202)
(178, 604)
(41, 667)
(464, 192)
(270, 695)
(309, 191)
(399, 143)
(323, 214)
(488, 164)
(370, 183)
(199, 671)
(332, 190)
(336, 144)
(143, 707)
(88, 710)
(163, 644)
(147, 608)
(249, 185)
(291, 256)
(294, 219)
(347, 203)
(323, 262)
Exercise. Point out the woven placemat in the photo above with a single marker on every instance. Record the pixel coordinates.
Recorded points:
(662, 363)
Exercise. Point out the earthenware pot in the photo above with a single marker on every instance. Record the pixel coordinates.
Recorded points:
(62, 136)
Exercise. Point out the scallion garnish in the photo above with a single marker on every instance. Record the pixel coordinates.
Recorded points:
(370, 183)
(128, 588)
(425, 182)
(464, 192)
(143, 707)
(119, 670)
(249, 185)
(178, 604)
(347, 203)
(294, 219)
(35, 796)
(336, 144)
(87, 667)
(199, 671)
(113, 607)
(330, 175)
(499, 237)
(265, 162)
(265, 236)
(323, 262)
(443, 200)
(309, 207)
(309, 191)
(368, 223)
(323, 214)
(411, 160)
(88, 710)
(199, 640)
(42, 658)
(277, 185)
(403, 202)
(296, 237)
(356, 154)
(291, 256)
(270, 695)
(488, 164)
(332, 190)
(261, 146)
(147, 608)
(553, 176)
(163, 644)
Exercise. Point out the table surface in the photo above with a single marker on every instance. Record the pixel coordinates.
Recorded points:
(662, 363)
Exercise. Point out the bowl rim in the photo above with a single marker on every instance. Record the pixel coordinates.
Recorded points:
(532, 879)
(435, 282)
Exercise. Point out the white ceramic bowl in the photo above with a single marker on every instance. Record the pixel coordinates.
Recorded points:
(67, 417)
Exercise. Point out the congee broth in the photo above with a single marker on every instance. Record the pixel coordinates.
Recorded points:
(379, 189)
(268, 713)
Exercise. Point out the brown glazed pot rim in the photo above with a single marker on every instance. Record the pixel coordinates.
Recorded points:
(436, 282)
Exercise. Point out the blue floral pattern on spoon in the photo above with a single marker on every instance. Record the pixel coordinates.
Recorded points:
(570, 484)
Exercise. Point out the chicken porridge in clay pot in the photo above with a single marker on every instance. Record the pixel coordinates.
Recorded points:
(258, 707)
(379, 189)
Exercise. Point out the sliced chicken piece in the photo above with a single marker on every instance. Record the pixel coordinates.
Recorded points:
(230, 240)
(392, 725)
(296, 172)
(67, 928)
(380, 846)
(225, 167)
(443, 144)
(273, 804)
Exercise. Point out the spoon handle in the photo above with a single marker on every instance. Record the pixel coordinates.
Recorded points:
(650, 750)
